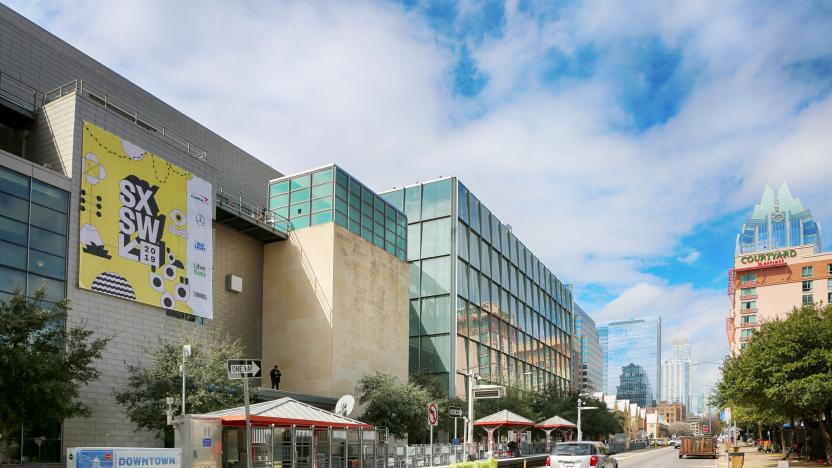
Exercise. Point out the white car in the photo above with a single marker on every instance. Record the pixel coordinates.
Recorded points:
(581, 455)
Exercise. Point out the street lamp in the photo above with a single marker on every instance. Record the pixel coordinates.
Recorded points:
(582, 408)
(186, 352)
(469, 434)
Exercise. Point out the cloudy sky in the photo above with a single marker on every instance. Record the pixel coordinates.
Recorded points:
(625, 142)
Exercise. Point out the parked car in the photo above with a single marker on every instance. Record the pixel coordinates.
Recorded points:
(581, 455)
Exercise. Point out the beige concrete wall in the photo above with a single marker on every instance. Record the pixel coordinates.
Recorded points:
(371, 314)
(334, 310)
(297, 309)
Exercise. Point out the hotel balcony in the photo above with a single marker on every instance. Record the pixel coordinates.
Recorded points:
(748, 311)
(748, 298)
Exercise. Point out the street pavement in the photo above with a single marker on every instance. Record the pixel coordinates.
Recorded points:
(665, 457)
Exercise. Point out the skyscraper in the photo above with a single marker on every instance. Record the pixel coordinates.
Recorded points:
(778, 221)
(479, 299)
(591, 375)
(677, 374)
(631, 350)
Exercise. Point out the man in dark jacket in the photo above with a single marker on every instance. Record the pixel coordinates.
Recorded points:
(275, 374)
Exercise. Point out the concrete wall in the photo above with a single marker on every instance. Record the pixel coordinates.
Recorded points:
(51, 140)
(371, 313)
(334, 310)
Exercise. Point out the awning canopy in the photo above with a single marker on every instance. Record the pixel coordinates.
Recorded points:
(284, 412)
(503, 418)
(555, 422)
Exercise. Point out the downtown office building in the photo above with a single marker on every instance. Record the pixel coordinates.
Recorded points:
(479, 299)
(154, 227)
(632, 359)
(591, 376)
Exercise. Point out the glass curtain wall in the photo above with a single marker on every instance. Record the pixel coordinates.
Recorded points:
(628, 343)
(330, 194)
(33, 236)
(511, 315)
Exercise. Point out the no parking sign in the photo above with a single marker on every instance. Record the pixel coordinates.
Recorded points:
(433, 414)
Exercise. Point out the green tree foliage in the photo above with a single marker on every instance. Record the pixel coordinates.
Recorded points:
(786, 370)
(43, 363)
(207, 385)
(401, 407)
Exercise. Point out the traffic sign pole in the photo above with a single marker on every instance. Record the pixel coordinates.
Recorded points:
(248, 425)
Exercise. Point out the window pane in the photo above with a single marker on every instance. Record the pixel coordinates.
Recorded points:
(462, 240)
(413, 203)
(414, 355)
(413, 244)
(321, 218)
(322, 191)
(462, 201)
(54, 289)
(300, 222)
(12, 255)
(48, 219)
(415, 275)
(341, 206)
(49, 242)
(341, 219)
(300, 195)
(301, 209)
(435, 315)
(436, 199)
(322, 204)
(436, 276)
(414, 321)
(279, 188)
(395, 198)
(435, 353)
(462, 279)
(322, 176)
(279, 201)
(10, 280)
(50, 196)
(14, 183)
(474, 212)
(436, 237)
(13, 207)
(47, 265)
(300, 182)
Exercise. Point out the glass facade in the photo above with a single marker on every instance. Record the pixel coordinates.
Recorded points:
(33, 236)
(330, 194)
(478, 298)
(591, 356)
(632, 352)
(778, 221)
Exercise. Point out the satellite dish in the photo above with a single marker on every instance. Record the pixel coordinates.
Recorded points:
(345, 405)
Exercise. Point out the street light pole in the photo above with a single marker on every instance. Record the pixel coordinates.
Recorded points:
(186, 351)
(469, 435)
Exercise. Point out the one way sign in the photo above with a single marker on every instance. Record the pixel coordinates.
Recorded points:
(244, 368)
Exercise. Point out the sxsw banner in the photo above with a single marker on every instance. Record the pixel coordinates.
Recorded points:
(145, 227)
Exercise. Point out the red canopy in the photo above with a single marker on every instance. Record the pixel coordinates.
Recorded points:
(504, 418)
(555, 422)
(285, 412)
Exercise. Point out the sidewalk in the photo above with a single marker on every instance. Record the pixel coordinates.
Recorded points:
(755, 459)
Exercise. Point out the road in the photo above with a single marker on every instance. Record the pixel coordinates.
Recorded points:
(666, 457)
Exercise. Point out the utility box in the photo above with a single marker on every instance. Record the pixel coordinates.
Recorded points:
(201, 442)
(123, 457)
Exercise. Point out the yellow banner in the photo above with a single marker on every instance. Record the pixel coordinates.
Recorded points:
(145, 231)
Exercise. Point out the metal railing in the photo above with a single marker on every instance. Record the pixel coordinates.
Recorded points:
(243, 206)
(446, 454)
(126, 111)
(20, 93)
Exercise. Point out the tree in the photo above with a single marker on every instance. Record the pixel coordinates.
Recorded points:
(786, 370)
(680, 428)
(401, 407)
(207, 385)
(43, 363)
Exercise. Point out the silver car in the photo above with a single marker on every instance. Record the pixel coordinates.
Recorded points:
(581, 455)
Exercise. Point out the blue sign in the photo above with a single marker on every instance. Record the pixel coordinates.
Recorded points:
(206, 442)
(95, 459)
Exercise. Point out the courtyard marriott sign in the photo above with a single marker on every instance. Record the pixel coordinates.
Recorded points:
(767, 259)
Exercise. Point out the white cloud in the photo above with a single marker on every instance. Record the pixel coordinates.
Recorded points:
(690, 258)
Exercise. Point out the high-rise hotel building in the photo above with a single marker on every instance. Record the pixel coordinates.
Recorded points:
(778, 265)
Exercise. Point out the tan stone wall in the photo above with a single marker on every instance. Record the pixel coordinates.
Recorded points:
(371, 313)
(334, 310)
(297, 310)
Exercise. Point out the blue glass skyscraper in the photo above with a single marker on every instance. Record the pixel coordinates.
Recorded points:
(631, 352)
(778, 221)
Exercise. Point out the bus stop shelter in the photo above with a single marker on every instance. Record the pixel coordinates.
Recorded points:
(555, 423)
(504, 418)
(284, 433)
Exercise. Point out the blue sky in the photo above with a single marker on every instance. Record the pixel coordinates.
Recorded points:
(625, 142)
